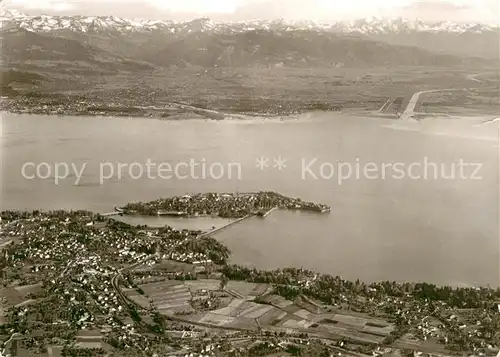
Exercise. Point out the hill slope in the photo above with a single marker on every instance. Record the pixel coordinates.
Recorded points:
(291, 49)
(25, 48)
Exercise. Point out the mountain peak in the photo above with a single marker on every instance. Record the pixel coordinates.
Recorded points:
(399, 31)
(369, 25)
(10, 14)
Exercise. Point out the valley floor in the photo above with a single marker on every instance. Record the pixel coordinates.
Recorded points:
(182, 93)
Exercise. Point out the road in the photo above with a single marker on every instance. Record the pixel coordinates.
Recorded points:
(114, 279)
(491, 121)
(409, 112)
(127, 303)
(13, 336)
(12, 222)
(473, 77)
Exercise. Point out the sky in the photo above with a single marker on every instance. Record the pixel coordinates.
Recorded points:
(485, 11)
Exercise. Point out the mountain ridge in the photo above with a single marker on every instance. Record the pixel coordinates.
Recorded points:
(445, 37)
(365, 26)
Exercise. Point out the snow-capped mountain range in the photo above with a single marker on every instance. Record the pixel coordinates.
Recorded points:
(447, 38)
(96, 24)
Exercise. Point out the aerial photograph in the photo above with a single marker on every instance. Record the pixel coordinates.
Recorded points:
(243, 178)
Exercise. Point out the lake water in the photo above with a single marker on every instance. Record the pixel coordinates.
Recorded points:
(443, 230)
(201, 223)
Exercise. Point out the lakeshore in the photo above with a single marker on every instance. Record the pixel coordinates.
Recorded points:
(135, 283)
(234, 206)
(83, 106)
(387, 225)
(103, 111)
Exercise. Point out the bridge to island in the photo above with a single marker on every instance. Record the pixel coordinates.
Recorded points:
(262, 211)
(109, 214)
(262, 214)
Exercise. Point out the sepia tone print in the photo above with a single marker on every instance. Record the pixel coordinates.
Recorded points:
(249, 178)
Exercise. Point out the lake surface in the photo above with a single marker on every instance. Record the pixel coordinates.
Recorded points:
(439, 229)
(200, 223)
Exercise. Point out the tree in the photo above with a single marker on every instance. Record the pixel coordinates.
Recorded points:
(223, 282)
(325, 352)
(160, 320)
(295, 350)
(135, 315)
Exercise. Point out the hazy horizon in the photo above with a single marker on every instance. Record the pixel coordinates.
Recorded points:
(482, 11)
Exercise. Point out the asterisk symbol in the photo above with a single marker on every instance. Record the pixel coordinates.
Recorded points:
(279, 163)
(262, 163)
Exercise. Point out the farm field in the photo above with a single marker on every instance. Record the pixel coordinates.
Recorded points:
(236, 309)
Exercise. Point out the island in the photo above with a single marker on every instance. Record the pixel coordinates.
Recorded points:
(224, 205)
(77, 283)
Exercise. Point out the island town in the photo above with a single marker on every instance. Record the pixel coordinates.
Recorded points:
(225, 205)
(77, 283)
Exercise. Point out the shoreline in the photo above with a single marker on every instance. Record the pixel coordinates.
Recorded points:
(52, 105)
(241, 117)
(453, 285)
(178, 117)
(222, 205)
